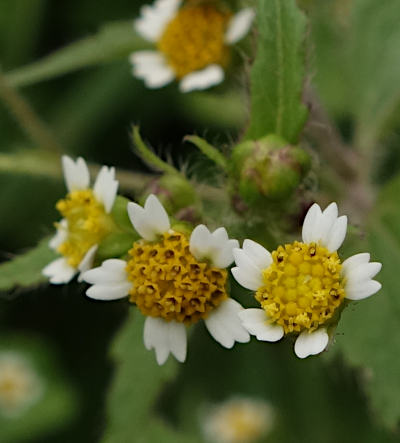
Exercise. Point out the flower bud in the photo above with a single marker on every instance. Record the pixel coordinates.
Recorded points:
(269, 168)
(176, 194)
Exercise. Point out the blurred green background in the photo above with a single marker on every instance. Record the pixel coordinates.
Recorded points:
(354, 67)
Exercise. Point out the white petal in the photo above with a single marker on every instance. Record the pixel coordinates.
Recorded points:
(209, 76)
(76, 174)
(354, 261)
(137, 216)
(106, 187)
(245, 280)
(247, 266)
(152, 67)
(239, 25)
(310, 222)
(363, 273)
(325, 223)
(256, 322)
(257, 253)
(165, 337)
(223, 257)
(363, 290)
(220, 236)
(337, 234)
(177, 340)
(225, 326)
(155, 18)
(156, 214)
(87, 261)
(111, 271)
(59, 271)
(200, 242)
(155, 336)
(61, 235)
(109, 292)
(311, 343)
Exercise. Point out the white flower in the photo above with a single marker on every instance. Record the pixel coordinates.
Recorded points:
(301, 286)
(86, 219)
(174, 281)
(192, 40)
(20, 386)
(238, 420)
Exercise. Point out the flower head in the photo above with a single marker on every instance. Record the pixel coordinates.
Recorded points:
(193, 43)
(85, 219)
(20, 386)
(239, 420)
(301, 286)
(173, 280)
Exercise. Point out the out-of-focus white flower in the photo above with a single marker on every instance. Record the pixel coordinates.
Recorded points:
(85, 221)
(301, 286)
(192, 42)
(174, 281)
(20, 386)
(238, 420)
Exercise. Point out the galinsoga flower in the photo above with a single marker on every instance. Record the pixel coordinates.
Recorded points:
(192, 42)
(20, 386)
(174, 281)
(301, 286)
(238, 420)
(86, 220)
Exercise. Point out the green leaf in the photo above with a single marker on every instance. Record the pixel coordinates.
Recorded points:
(137, 384)
(26, 270)
(113, 41)
(369, 333)
(277, 76)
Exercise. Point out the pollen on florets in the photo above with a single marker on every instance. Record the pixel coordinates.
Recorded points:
(168, 281)
(303, 287)
(88, 224)
(194, 39)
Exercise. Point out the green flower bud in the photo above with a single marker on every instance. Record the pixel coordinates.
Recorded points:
(175, 192)
(268, 168)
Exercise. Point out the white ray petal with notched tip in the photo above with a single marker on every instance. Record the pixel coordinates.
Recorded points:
(152, 68)
(106, 187)
(224, 325)
(153, 20)
(109, 281)
(239, 25)
(150, 221)
(256, 323)
(165, 338)
(210, 76)
(76, 173)
(311, 343)
(59, 271)
(61, 235)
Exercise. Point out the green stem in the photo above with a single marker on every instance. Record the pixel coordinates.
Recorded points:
(148, 156)
(27, 118)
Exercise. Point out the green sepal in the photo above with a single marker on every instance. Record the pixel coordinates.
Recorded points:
(119, 213)
(116, 245)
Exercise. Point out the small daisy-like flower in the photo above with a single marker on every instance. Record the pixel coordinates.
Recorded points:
(174, 281)
(238, 420)
(193, 42)
(86, 219)
(20, 386)
(301, 286)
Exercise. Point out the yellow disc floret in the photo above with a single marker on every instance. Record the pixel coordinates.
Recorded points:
(194, 39)
(169, 282)
(302, 288)
(88, 224)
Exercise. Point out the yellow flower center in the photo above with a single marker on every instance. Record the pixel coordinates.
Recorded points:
(88, 224)
(169, 282)
(195, 39)
(302, 288)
